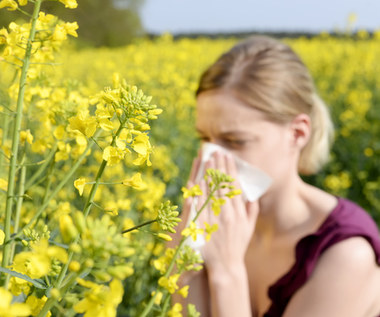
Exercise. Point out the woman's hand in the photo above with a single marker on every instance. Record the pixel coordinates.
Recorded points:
(236, 222)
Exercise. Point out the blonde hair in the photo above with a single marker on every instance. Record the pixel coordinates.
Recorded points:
(268, 75)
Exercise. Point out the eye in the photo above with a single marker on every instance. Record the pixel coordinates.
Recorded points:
(235, 143)
(203, 138)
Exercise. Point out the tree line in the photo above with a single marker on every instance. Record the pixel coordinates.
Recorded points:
(101, 22)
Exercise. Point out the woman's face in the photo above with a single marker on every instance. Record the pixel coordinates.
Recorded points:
(225, 120)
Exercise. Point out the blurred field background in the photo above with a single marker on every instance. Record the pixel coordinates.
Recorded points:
(344, 66)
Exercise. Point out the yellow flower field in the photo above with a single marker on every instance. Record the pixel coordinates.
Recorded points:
(345, 71)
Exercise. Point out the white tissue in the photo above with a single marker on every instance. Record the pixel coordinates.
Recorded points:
(253, 182)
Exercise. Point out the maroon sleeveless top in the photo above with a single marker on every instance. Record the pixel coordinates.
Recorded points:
(345, 221)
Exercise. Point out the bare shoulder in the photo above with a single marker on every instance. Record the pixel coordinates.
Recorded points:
(345, 282)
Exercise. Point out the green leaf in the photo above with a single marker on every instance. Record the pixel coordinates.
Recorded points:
(24, 277)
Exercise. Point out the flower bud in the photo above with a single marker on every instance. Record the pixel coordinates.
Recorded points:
(74, 266)
(165, 237)
(55, 293)
(79, 221)
(101, 275)
(120, 271)
(89, 263)
(75, 247)
(67, 228)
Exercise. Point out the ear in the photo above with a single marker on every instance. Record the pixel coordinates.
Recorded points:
(301, 130)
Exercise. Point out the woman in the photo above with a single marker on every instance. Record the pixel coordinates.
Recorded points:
(297, 251)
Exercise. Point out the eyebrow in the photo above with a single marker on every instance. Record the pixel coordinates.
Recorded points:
(227, 133)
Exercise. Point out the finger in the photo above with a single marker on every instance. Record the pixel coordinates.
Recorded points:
(186, 208)
(236, 201)
(194, 169)
(252, 212)
(221, 165)
(200, 153)
(231, 169)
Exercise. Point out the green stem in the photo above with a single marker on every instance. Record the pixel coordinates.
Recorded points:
(40, 170)
(58, 188)
(94, 187)
(139, 226)
(51, 301)
(49, 181)
(16, 135)
(23, 12)
(105, 183)
(4, 137)
(149, 307)
(165, 306)
(21, 191)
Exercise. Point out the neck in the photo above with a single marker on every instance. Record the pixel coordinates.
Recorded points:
(283, 209)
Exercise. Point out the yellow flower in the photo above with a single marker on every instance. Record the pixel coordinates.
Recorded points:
(59, 132)
(100, 300)
(125, 135)
(3, 36)
(36, 304)
(45, 18)
(158, 298)
(210, 229)
(60, 33)
(192, 231)
(12, 310)
(67, 228)
(71, 4)
(169, 283)
(113, 155)
(161, 264)
(2, 237)
(3, 184)
(23, 2)
(216, 204)
(71, 28)
(106, 124)
(11, 4)
(175, 311)
(135, 181)
(233, 193)
(79, 184)
(184, 291)
(112, 208)
(63, 153)
(193, 191)
(19, 285)
(143, 148)
(37, 263)
(83, 124)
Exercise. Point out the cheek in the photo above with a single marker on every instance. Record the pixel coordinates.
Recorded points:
(273, 157)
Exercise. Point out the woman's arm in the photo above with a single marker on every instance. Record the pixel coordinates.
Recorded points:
(229, 291)
(225, 252)
(199, 293)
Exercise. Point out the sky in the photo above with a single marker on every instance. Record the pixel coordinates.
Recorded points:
(186, 16)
